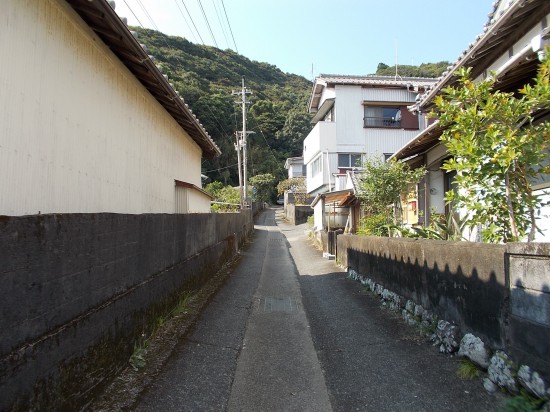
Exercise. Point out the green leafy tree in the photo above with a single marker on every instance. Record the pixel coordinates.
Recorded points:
(263, 186)
(296, 185)
(382, 185)
(296, 127)
(228, 197)
(497, 151)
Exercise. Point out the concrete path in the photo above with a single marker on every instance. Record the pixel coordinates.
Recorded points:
(251, 349)
(372, 360)
(255, 349)
(278, 367)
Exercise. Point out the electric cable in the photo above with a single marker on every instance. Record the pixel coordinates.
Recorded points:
(148, 15)
(221, 24)
(281, 169)
(192, 21)
(207, 23)
(132, 11)
(185, 20)
(220, 168)
(230, 29)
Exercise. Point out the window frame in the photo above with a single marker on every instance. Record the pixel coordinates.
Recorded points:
(384, 122)
(316, 166)
(350, 163)
(405, 120)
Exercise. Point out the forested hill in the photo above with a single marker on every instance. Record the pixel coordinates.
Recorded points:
(206, 76)
(404, 70)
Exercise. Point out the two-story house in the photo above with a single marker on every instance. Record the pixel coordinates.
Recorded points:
(356, 117)
(509, 46)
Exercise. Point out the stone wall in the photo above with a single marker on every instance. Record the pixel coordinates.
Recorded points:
(500, 293)
(296, 215)
(79, 289)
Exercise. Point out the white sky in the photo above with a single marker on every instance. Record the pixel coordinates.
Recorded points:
(334, 37)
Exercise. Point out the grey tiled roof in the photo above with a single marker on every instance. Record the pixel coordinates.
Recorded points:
(504, 15)
(376, 80)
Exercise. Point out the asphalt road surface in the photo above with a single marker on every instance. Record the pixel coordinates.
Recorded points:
(290, 332)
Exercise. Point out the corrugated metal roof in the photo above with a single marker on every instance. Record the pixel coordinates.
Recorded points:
(508, 21)
(103, 20)
(331, 197)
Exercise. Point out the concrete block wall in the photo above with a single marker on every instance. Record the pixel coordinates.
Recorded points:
(500, 293)
(296, 215)
(529, 319)
(462, 282)
(78, 289)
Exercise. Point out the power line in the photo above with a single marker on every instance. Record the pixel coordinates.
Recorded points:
(192, 21)
(148, 15)
(237, 50)
(221, 25)
(207, 23)
(185, 20)
(277, 162)
(220, 168)
(131, 11)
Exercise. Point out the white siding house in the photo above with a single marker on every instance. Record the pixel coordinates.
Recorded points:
(509, 46)
(87, 122)
(357, 116)
(295, 167)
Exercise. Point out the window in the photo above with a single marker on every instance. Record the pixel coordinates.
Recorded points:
(380, 116)
(316, 166)
(390, 117)
(349, 160)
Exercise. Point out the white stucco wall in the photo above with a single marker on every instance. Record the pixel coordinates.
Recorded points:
(318, 216)
(199, 202)
(318, 143)
(78, 133)
(352, 137)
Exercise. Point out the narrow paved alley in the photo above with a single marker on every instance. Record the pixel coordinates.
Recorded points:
(289, 332)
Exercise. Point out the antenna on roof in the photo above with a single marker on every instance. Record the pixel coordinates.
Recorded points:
(396, 61)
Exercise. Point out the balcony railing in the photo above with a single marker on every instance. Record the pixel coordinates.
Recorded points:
(387, 122)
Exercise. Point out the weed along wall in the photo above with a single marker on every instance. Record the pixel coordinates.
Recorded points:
(79, 290)
(499, 293)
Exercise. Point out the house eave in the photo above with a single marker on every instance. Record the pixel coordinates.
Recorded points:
(323, 110)
(423, 141)
(332, 197)
(498, 36)
(108, 26)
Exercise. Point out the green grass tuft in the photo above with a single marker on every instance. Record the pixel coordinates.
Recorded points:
(468, 370)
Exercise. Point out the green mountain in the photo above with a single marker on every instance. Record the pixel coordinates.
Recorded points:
(206, 76)
(424, 70)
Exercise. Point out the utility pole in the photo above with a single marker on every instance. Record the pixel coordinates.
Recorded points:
(241, 144)
(238, 149)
